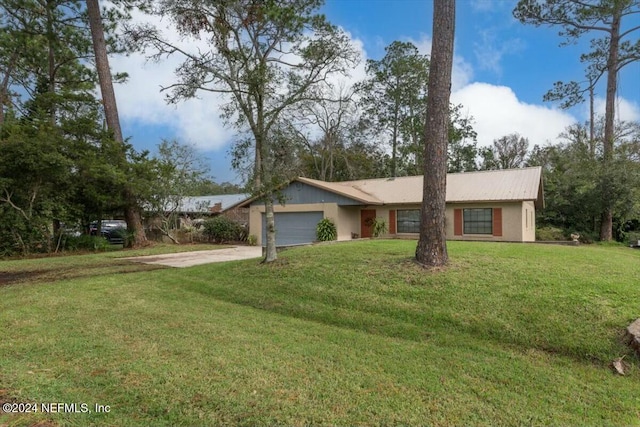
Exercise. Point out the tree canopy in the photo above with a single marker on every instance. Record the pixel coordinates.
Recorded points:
(393, 99)
(608, 55)
(267, 56)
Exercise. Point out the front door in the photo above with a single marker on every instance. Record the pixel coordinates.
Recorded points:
(367, 216)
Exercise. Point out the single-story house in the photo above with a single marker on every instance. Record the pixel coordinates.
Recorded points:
(487, 205)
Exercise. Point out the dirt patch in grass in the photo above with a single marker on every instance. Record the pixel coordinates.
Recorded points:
(7, 278)
(278, 263)
(53, 275)
(5, 398)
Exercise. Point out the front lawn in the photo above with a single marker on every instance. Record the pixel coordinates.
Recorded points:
(345, 334)
(54, 268)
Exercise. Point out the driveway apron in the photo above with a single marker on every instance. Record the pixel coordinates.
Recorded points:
(188, 259)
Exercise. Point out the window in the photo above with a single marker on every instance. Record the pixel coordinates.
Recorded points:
(478, 221)
(408, 221)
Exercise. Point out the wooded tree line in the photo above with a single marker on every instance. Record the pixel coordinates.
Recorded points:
(574, 170)
(60, 165)
(57, 161)
(279, 64)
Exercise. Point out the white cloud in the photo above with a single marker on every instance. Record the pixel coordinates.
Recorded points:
(482, 5)
(423, 44)
(358, 73)
(462, 72)
(196, 121)
(498, 112)
(496, 109)
(627, 111)
(492, 47)
(140, 100)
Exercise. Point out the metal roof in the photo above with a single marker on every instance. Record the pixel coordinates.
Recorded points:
(482, 186)
(498, 185)
(209, 204)
(506, 184)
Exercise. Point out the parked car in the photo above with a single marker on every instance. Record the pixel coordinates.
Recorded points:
(114, 230)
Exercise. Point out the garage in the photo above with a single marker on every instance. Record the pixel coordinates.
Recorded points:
(293, 228)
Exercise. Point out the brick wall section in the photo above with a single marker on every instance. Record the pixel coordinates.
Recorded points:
(239, 215)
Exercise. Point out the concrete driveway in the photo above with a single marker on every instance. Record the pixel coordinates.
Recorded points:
(188, 259)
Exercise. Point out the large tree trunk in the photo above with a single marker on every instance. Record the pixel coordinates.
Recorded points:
(592, 124)
(432, 245)
(262, 177)
(271, 253)
(606, 218)
(104, 71)
(132, 212)
(133, 217)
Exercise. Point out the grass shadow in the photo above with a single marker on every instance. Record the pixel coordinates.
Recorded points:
(395, 297)
(61, 273)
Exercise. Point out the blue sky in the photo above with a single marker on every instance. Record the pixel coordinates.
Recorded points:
(502, 69)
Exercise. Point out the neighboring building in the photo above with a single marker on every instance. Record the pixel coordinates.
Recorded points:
(488, 205)
(208, 205)
(199, 207)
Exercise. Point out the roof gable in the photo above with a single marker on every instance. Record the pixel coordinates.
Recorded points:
(345, 189)
(300, 191)
(483, 186)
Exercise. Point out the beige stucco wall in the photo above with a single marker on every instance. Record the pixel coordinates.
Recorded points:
(528, 222)
(514, 226)
(348, 221)
(512, 217)
(345, 218)
(518, 219)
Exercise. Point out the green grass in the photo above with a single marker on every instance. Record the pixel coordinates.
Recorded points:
(55, 268)
(345, 334)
